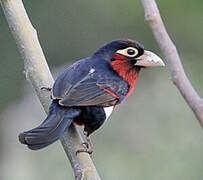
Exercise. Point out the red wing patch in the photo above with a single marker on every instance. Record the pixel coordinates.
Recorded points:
(110, 92)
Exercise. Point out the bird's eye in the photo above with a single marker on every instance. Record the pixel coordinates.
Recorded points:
(129, 52)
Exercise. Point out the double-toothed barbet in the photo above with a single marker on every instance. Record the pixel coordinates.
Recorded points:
(87, 91)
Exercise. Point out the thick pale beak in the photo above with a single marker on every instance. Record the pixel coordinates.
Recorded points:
(149, 59)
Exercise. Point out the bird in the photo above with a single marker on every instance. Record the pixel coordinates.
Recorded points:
(88, 91)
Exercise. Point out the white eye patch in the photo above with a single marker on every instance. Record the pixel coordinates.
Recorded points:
(129, 52)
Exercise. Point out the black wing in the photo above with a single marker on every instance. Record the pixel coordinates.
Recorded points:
(82, 85)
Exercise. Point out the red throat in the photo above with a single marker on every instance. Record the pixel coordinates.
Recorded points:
(124, 69)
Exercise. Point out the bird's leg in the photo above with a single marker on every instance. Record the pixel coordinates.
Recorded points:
(88, 147)
(89, 143)
(46, 88)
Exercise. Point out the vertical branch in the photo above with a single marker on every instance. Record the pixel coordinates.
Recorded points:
(37, 72)
(178, 75)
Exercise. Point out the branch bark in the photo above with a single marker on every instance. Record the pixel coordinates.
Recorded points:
(178, 76)
(38, 74)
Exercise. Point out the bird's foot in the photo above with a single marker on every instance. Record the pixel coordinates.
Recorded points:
(85, 144)
(88, 147)
(46, 88)
(87, 150)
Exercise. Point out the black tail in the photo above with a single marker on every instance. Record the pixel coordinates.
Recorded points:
(51, 129)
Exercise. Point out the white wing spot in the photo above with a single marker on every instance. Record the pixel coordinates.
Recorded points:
(91, 71)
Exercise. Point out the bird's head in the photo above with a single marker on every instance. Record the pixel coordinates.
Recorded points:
(129, 51)
(127, 57)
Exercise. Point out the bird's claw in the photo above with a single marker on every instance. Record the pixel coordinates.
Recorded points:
(85, 145)
(87, 150)
(88, 147)
(46, 88)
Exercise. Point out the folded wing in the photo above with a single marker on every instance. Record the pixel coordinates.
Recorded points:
(82, 85)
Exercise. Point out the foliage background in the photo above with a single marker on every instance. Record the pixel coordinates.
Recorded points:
(153, 135)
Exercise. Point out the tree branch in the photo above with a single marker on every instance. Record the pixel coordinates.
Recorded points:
(37, 72)
(178, 76)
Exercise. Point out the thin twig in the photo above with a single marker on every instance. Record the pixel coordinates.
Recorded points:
(37, 72)
(178, 75)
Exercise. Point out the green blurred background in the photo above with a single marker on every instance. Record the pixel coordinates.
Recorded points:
(153, 135)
